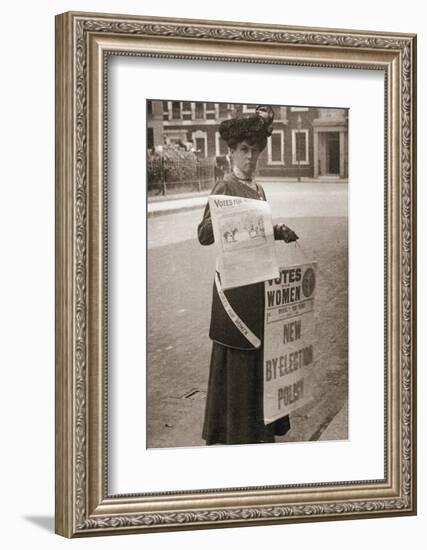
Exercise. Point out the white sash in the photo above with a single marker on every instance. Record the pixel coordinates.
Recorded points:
(240, 325)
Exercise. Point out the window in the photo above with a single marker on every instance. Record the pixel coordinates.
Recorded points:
(200, 141)
(200, 110)
(187, 113)
(210, 110)
(275, 148)
(249, 108)
(300, 147)
(223, 110)
(176, 110)
(165, 110)
(150, 138)
(277, 112)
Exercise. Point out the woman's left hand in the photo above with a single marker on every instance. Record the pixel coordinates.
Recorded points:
(285, 233)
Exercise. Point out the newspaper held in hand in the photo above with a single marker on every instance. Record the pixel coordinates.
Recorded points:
(244, 238)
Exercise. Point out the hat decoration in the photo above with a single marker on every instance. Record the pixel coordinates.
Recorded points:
(256, 127)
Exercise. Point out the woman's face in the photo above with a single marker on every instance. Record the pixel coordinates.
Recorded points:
(245, 157)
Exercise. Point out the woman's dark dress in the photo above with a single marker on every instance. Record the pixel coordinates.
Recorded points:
(234, 406)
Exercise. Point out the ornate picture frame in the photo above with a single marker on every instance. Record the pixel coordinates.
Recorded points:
(84, 42)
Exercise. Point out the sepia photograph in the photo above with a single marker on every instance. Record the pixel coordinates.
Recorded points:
(247, 273)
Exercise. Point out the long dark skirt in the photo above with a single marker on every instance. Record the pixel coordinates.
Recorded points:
(234, 404)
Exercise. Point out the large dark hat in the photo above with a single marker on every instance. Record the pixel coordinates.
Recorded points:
(253, 129)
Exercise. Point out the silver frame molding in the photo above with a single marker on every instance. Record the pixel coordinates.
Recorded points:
(83, 43)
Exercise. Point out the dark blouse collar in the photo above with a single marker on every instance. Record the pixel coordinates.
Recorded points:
(255, 192)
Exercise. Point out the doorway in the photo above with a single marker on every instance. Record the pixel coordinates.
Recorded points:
(329, 154)
(333, 152)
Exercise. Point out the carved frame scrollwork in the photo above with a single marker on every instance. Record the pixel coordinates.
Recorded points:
(83, 43)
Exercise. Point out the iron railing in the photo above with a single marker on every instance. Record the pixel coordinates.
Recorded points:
(167, 176)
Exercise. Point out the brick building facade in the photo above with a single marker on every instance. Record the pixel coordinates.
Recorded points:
(307, 142)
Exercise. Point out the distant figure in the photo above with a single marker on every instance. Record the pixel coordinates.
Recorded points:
(222, 167)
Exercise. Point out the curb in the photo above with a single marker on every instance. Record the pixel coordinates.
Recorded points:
(159, 199)
(174, 210)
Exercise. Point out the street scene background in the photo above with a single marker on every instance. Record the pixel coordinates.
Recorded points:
(180, 278)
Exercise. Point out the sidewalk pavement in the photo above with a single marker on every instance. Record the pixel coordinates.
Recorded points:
(338, 427)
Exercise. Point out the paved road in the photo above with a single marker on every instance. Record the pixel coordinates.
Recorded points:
(287, 200)
(179, 313)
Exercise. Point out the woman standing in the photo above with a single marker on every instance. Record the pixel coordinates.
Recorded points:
(234, 406)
